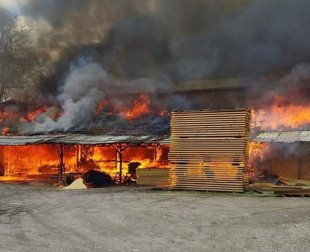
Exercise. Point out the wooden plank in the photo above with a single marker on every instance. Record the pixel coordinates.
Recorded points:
(153, 176)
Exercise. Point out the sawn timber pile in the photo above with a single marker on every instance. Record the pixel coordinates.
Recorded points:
(209, 150)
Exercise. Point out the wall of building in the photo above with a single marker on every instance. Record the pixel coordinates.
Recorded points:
(286, 160)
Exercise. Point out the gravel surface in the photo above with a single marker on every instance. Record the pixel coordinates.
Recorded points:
(37, 218)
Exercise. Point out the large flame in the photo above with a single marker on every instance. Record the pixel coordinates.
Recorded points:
(282, 115)
(42, 161)
(140, 107)
(29, 117)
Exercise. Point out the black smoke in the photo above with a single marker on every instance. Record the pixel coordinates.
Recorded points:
(186, 39)
(154, 45)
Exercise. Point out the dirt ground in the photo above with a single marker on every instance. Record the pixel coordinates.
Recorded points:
(37, 218)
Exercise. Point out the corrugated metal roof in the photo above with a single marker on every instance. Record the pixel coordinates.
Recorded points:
(283, 136)
(27, 140)
(107, 139)
(81, 139)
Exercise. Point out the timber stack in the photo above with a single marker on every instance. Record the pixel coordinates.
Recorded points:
(209, 150)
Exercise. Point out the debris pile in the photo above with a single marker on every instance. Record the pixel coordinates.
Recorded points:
(95, 179)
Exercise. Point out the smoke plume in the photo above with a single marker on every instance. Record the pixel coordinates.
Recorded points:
(190, 40)
(152, 46)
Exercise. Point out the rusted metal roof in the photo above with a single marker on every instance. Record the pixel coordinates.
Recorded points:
(208, 150)
(81, 139)
(283, 137)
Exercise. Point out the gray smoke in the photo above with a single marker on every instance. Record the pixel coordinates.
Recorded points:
(293, 88)
(86, 85)
(153, 45)
(80, 94)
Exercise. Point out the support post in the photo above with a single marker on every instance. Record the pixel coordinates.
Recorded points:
(77, 156)
(120, 155)
(119, 151)
(61, 168)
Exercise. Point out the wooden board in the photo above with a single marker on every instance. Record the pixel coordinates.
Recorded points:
(153, 176)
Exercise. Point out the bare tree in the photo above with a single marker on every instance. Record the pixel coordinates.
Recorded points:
(18, 59)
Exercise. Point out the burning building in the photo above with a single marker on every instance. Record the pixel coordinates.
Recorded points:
(105, 96)
(42, 156)
(284, 154)
(136, 141)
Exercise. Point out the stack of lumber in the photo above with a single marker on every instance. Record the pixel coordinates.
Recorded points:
(153, 176)
(209, 150)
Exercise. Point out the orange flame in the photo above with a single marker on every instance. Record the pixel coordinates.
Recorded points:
(140, 108)
(7, 116)
(30, 117)
(41, 161)
(101, 106)
(33, 115)
(282, 114)
(5, 131)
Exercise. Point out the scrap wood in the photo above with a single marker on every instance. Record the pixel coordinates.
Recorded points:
(292, 190)
(298, 182)
(261, 186)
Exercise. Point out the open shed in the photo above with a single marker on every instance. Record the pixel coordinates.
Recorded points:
(284, 153)
(38, 155)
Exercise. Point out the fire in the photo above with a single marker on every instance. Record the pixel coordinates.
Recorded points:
(258, 152)
(7, 116)
(283, 115)
(5, 131)
(28, 160)
(42, 161)
(33, 115)
(140, 108)
(30, 117)
(101, 106)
